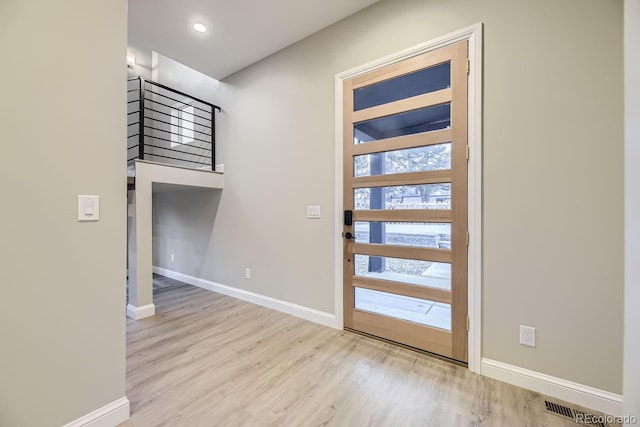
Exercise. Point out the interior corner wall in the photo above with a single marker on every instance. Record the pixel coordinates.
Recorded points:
(552, 161)
(180, 77)
(632, 208)
(62, 309)
(183, 227)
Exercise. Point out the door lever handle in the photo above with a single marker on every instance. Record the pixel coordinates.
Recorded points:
(348, 235)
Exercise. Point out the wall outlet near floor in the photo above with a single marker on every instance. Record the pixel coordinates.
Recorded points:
(247, 273)
(528, 336)
(173, 258)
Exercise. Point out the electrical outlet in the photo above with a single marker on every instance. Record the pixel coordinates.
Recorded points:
(528, 336)
(247, 273)
(173, 258)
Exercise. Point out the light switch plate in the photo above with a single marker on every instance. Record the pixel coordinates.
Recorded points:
(313, 212)
(88, 208)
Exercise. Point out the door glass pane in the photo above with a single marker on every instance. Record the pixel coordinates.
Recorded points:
(423, 196)
(421, 234)
(416, 310)
(412, 84)
(420, 159)
(408, 123)
(415, 272)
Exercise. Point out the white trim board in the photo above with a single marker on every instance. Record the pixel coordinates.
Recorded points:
(141, 312)
(473, 35)
(109, 415)
(313, 315)
(589, 397)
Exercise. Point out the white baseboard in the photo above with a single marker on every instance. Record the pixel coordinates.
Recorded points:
(108, 416)
(579, 394)
(141, 312)
(313, 315)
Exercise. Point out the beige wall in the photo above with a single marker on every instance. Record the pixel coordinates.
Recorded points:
(174, 233)
(62, 303)
(553, 157)
(632, 211)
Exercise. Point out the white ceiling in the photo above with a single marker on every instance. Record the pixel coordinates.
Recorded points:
(241, 32)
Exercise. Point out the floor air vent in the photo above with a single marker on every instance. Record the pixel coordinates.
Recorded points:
(577, 416)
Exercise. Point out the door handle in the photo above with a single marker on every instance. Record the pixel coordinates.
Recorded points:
(348, 235)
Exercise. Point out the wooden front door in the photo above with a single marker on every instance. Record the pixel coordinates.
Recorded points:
(405, 182)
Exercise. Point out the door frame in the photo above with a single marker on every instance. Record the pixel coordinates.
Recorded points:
(473, 34)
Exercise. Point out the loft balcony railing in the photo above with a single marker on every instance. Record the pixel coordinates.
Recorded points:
(168, 126)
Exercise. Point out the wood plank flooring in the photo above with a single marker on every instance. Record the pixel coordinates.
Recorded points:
(208, 360)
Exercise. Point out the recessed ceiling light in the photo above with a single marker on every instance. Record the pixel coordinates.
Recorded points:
(201, 28)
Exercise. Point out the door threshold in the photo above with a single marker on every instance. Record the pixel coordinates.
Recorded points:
(408, 347)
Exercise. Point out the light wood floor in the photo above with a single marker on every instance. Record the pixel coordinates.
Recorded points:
(210, 360)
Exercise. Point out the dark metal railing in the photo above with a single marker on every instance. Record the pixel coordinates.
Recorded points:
(169, 126)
